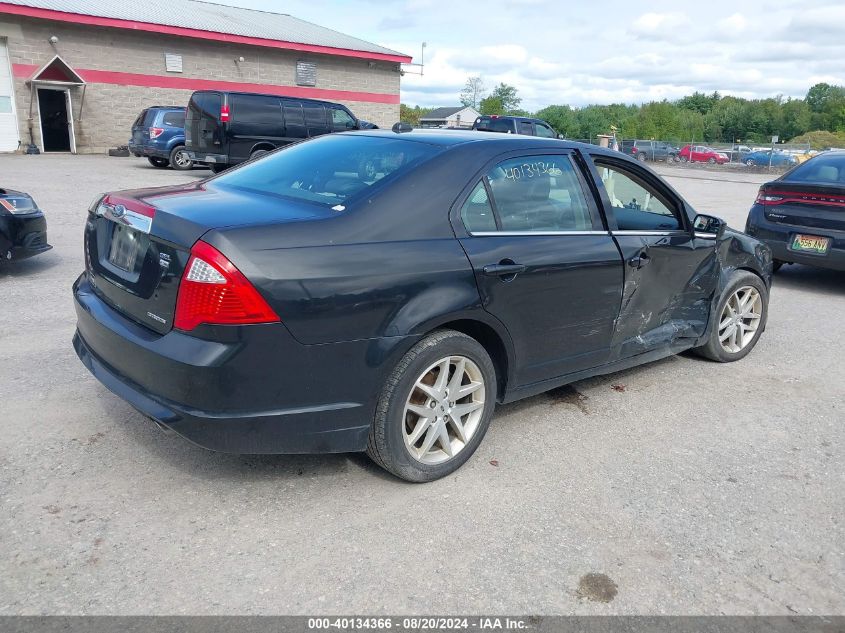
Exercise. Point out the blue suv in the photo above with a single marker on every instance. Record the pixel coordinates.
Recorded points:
(159, 134)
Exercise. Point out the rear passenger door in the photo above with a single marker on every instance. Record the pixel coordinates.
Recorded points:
(544, 264)
(670, 274)
(316, 119)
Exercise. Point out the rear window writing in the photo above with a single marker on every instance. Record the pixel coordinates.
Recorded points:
(329, 170)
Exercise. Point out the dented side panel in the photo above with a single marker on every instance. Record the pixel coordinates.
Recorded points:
(670, 281)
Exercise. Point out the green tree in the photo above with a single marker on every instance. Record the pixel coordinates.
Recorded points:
(412, 115)
(508, 96)
(491, 105)
(820, 95)
(473, 92)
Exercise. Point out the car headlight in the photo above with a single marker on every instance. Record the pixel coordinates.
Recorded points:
(18, 205)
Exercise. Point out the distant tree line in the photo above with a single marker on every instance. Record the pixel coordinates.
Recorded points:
(819, 118)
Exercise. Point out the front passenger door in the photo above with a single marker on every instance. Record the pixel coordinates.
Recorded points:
(670, 274)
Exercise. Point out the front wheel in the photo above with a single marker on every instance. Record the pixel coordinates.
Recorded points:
(641, 157)
(711, 160)
(684, 159)
(160, 163)
(740, 318)
(180, 159)
(435, 408)
(750, 162)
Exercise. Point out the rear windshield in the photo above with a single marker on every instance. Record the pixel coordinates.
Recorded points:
(329, 170)
(139, 121)
(822, 169)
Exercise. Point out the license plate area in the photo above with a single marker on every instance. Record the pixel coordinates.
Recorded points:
(125, 247)
(813, 244)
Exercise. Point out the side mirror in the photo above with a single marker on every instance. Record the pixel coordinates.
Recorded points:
(709, 226)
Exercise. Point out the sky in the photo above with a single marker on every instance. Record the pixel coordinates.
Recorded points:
(600, 51)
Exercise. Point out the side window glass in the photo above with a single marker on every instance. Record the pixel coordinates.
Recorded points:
(539, 193)
(477, 214)
(341, 120)
(525, 128)
(544, 131)
(637, 206)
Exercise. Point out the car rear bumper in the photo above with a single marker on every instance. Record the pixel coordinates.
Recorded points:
(207, 158)
(23, 236)
(252, 389)
(779, 236)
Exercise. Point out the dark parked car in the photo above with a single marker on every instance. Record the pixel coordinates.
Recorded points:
(23, 228)
(514, 125)
(159, 134)
(292, 306)
(651, 150)
(228, 128)
(801, 215)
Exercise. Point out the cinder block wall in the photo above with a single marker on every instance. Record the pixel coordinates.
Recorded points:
(104, 119)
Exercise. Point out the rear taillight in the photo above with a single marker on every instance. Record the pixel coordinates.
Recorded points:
(155, 132)
(213, 291)
(634, 150)
(224, 113)
(771, 197)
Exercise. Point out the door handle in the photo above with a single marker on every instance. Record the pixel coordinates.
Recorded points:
(639, 261)
(503, 270)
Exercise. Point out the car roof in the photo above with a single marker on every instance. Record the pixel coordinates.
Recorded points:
(265, 94)
(451, 138)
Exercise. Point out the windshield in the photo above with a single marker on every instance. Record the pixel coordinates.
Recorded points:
(331, 169)
(822, 169)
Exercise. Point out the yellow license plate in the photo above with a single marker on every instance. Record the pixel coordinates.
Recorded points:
(810, 243)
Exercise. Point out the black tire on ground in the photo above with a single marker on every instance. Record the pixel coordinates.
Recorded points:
(713, 349)
(161, 163)
(386, 445)
(218, 167)
(257, 154)
(684, 159)
(711, 160)
(641, 157)
(750, 162)
(180, 160)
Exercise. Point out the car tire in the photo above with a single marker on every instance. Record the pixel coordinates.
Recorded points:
(413, 447)
(711, 160)
(217, 168)
(641, 157)
(684, 159)
(257, 154)
(180, 160)
(743, 286)
(160, 163)
(750, 162)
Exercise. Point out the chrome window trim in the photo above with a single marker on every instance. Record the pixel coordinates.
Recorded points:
(528, 233)
(651, 233)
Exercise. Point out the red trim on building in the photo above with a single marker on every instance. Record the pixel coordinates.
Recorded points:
(93, 20)
(25, 71)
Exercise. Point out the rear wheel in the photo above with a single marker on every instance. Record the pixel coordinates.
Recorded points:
(435, 408)
(217, 167)
(641, 157)
(180, 159)
(257, 154)
(750, 162)
(740, 318)
(160, 163)
(684, 159)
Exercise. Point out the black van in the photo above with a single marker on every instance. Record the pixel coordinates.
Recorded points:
(226, 128)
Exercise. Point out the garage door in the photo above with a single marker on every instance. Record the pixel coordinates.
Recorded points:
(8, 121)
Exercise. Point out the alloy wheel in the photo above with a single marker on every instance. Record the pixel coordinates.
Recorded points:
(181, 158)
(443, 410)
(740, 319)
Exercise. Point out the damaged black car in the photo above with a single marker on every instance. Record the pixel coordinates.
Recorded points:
(23, 227)
(296, 305)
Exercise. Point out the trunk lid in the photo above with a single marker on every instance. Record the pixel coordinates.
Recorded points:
(137, 243)
(813, 205)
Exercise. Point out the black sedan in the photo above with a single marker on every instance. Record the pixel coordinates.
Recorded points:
(297, 305)
(23, 228)
(801, 215)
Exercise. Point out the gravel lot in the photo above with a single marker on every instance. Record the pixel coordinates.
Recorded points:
(684, 486)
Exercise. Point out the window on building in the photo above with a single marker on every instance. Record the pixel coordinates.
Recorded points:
(306, 73)
(173, 63)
